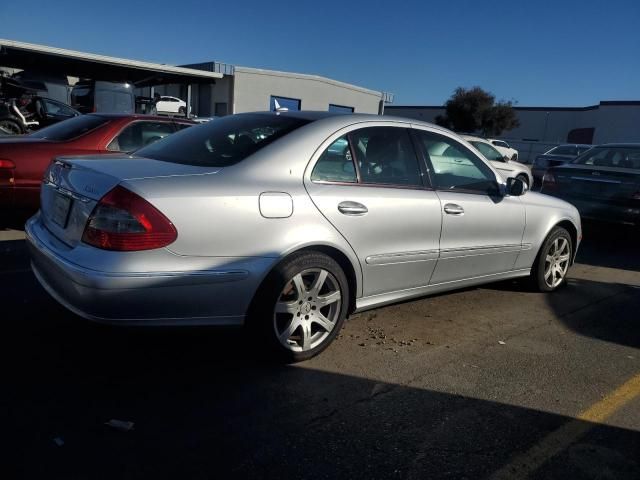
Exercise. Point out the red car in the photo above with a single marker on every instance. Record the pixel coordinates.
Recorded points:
(23, 159)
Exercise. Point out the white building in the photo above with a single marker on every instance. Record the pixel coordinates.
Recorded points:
(211, 88)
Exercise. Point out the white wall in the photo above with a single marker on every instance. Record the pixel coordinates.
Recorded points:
(613, 122)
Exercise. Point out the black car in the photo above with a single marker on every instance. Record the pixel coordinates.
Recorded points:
(556, 156)
(603, 183)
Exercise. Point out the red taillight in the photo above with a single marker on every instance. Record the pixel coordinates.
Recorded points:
(7, 168)
(7, 164)
(125, 221)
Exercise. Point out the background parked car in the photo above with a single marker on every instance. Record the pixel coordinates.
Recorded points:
(603, 183)
(168, 104)
(507, 168)
(91, 96)
(556, 156)
(504, 148)
(23, 159)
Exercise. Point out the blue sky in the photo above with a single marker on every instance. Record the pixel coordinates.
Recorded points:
(538, 53)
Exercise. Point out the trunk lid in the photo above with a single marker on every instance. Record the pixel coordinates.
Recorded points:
(73, 186)
(607, 184)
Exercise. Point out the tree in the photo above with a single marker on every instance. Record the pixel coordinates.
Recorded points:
(474, 109)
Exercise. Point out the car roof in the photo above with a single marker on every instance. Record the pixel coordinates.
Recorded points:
(350, 118)
(474, 137)
(623, 145)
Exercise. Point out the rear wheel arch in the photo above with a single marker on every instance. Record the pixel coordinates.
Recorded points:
(336, 254)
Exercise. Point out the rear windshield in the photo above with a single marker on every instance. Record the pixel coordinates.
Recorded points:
(617, 157)
(222, 142)
(72, 128)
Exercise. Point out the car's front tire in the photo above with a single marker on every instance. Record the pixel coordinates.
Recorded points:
(524, 179)
(301, 306)
(551, 266)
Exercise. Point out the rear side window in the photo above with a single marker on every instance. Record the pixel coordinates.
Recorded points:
(138, 135)
(335, 164)
(72, 128)
(386, 156)
(223, 142)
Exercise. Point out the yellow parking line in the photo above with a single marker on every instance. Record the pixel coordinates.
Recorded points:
(525, 464)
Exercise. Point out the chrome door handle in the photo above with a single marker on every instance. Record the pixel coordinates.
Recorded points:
(352, 208)
(453, 209)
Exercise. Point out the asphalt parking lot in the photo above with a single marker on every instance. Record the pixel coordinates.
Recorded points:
(491, 382)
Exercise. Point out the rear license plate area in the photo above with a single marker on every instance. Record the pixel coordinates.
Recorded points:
(61, 209)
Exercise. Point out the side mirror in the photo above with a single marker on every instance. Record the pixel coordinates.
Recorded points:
(516, 187)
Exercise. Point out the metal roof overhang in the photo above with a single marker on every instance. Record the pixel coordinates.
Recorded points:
(41, 58)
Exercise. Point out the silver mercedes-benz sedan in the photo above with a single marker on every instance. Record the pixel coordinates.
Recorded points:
(288, 222)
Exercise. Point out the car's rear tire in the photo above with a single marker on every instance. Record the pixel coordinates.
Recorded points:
(551, 266)
(301, 306)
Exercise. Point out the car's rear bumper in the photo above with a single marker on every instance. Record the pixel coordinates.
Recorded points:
(219, 295)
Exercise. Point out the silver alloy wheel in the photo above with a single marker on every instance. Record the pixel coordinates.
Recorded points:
(556, 262)
(307, 309)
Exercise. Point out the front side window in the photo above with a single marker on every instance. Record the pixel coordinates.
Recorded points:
(617, 157)
(455, 167)
(488, 151)
(499, 143)
(335, 164)
(224, 141)
(138, 135)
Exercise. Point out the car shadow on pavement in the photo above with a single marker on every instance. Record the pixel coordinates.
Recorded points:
(204, 405)
(14, 220)
(610, 245)
(604, 311)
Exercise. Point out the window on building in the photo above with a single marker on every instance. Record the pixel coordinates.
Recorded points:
(291, 104)
(340, 108)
